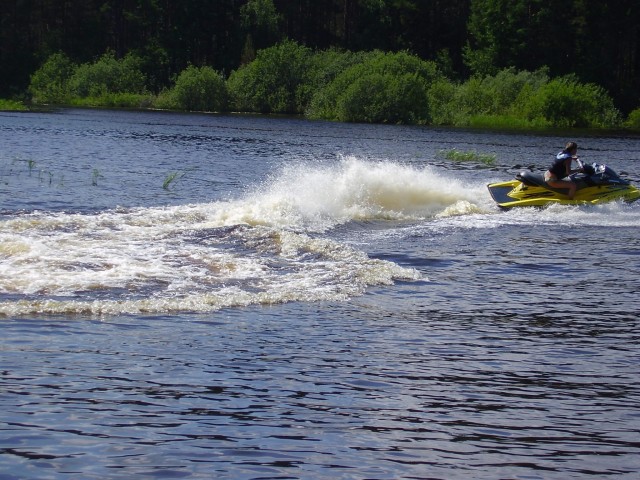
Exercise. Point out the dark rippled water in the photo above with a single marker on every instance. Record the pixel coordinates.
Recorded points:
(192, 296)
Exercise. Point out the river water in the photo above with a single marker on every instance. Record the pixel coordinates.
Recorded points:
(203, 296)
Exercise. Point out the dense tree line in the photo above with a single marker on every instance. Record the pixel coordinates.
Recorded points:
(596, 40)
(331, 84)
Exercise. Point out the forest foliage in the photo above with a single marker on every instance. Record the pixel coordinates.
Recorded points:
(375, 87)
(517, 63)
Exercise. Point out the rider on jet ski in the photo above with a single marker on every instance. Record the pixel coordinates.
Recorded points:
(561, 168)
(596, 183)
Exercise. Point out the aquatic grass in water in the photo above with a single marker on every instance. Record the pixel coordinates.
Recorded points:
(470, 156)
(95, 176)
(31, 164)
(43, 175)
(171, 178)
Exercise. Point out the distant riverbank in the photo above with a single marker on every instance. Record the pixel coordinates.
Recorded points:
(359, 87)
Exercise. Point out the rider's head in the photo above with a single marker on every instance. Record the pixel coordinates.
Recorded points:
(571, 147)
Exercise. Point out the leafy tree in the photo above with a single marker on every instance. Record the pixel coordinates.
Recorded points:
(261, 21)
(598, 41)
(567, 103)
(497, 31)
(496, 94)
(199, 89)
(269, 83)
(49, 84)
(441, 95)
(633, 120)
(384, 98)
(396, 82)
(609, 48)
(322, 68)
(425, 28)
(202, 32)
(108, 75)
(312, 23)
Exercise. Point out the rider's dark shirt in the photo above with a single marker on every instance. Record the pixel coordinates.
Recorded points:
(558, 166)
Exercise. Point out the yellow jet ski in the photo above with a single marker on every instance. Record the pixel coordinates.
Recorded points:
(596, 184)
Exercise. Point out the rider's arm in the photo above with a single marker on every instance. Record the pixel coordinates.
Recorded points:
(567, 166)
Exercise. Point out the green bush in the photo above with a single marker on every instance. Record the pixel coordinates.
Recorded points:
(633, 120)
(49, 83)
(198, 89)
(506, 86)
(115, 100)
(269, 83)
(441, 96)
(374, 87)
(566, 103)
(384, 98)
(384, 87)
(108, 75)
(165, 100)
(491, 99)
(322, 68)
(322, 104)
(472, 98)
(11, 105)
(511, 99)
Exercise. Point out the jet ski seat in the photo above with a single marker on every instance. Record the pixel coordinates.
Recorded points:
(534, 179)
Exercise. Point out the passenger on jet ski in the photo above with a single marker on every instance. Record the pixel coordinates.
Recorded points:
(561, 168)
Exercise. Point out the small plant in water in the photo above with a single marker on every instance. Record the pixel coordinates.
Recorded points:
(95, 176)
(458, 156)
(171, 177)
